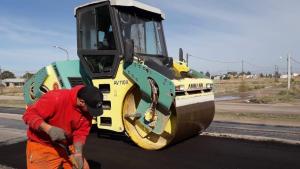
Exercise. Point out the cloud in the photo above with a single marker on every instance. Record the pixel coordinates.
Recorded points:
(27, 46)
(23, 31)
(256, 31)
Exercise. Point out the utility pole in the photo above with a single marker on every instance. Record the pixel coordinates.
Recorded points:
(276, 73)
(243, 67)
(289, 70)
(1, 90)
(187, 59)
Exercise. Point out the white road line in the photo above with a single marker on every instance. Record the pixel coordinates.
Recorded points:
(251, 138)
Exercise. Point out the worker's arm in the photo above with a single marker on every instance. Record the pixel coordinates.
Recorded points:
(79, 138)
(78, 155)
(82, 130)
(43, 109)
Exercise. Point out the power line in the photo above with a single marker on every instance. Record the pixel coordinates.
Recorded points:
(213, 60)
(257, 66)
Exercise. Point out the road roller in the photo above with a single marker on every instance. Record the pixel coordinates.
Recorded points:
(148, 96)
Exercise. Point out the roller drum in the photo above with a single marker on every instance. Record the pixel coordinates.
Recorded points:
(189, 117)
(192, 119)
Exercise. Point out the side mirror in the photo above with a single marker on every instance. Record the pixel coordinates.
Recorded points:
(129, 50)
(180, 54)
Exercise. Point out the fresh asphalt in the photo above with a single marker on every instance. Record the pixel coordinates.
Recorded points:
(200, 152)
(196, 153)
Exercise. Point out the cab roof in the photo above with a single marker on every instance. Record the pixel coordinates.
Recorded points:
(125, 3)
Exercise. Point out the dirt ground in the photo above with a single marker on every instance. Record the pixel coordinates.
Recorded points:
(259, 101)
(270, 114)
(253, 87)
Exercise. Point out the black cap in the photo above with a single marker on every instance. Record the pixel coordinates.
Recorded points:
(93, 99)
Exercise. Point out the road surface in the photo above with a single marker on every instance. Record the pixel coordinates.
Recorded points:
(207, 152)
(228, 106)
(195, 153)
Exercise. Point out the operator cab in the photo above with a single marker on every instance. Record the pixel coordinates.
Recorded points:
(103, 28)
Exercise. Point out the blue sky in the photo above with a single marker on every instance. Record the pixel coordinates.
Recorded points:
(257, 31)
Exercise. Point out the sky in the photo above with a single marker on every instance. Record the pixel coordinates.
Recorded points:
(218, 34)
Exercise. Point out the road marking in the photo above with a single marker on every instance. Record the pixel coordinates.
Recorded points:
(5, 167)
(11, 116)
(251, 138)
(11, 136)
(258, 130)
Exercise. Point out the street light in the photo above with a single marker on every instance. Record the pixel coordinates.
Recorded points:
(63, 49)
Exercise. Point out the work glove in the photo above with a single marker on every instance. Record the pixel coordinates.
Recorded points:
(56, 134)
(79, 161)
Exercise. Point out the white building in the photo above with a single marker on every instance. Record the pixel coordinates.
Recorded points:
(18, 82)
(286, 76)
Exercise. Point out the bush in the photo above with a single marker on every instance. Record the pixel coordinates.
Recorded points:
(256, 87)
(244, 87)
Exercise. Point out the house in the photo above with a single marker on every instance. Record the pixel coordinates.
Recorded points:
(286, 76)
(251, 76)
(17, 82)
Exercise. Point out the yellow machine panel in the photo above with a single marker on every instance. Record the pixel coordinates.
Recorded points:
(113, 100)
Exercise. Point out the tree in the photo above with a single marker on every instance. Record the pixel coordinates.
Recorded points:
(248, 73)
(27, 75)
(232, 73)
(242, 73)
(7, 75)
(207, 74)
(261, 75)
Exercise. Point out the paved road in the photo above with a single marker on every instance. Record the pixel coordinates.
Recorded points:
(279, 132)
(12, 110)
(196, 153)
(199, 152)
(224, 106)
(221, 106)
(270, 131)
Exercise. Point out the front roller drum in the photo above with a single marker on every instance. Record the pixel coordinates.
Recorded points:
(186, 120)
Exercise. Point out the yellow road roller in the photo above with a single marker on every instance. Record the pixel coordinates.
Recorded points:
(150, 97)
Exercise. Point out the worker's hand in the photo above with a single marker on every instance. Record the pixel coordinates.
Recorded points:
(56, 134)
(78, 160)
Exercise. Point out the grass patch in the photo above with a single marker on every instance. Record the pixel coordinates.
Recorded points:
(12, 103)
(11, 91)
(256, 87)
(283, 96)
(244, 87)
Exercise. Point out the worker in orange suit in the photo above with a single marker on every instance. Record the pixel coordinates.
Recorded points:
(59, 121)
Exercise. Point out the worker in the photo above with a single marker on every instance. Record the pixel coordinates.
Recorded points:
(61, 117)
